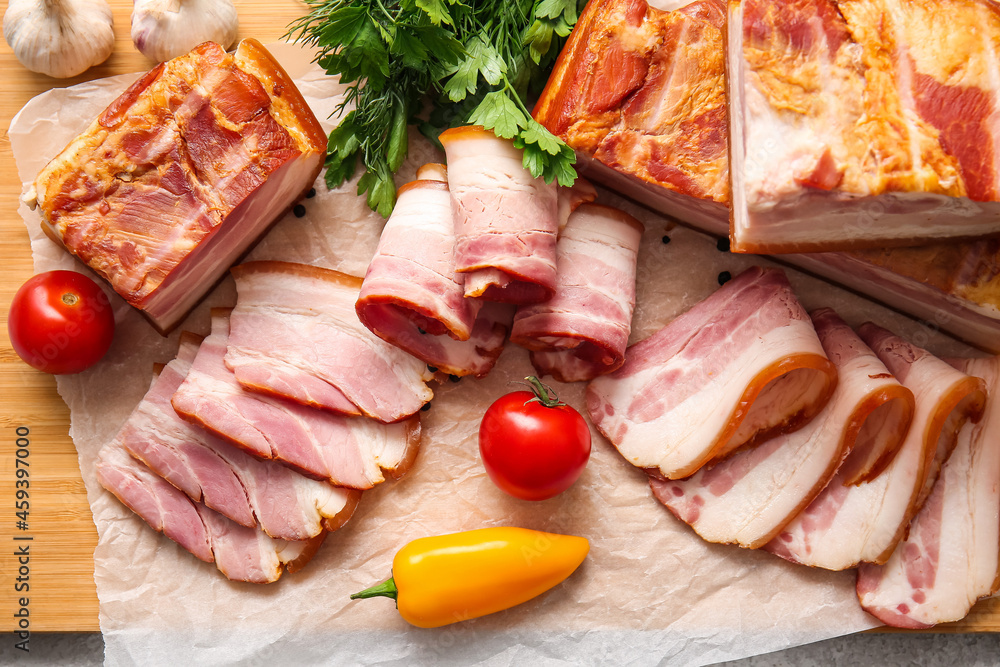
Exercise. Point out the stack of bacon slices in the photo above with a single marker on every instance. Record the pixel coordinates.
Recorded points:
(254, 443)
(764, 426)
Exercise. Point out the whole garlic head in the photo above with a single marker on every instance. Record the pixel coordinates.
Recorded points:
(60, 38)
(165, 29)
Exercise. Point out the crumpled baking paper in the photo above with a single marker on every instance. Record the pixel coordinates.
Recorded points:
(650, 591)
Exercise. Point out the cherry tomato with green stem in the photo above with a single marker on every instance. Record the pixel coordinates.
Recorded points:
(533, 445)
(60, 322)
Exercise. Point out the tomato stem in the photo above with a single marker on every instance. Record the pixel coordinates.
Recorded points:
(543, 393)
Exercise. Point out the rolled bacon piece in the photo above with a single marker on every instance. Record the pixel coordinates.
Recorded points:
(951, 555)
(741, 366)
(747, 498)
(294, 333)
(354, 452)
(240, 553)
(506, 221)
(283, 503)
(847, 525)
(413, 298)
(583, 330)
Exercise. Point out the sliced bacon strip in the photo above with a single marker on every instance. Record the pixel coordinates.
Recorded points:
(283, 503)
(294, 333)
(951, 555)
(413, 298)
(346, 451)
(847, 525)
(738, 367)
(747, 498)
(583, 330)
(506, 221)
(240, 553)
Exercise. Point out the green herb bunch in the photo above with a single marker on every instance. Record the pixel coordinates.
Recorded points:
(475, 62)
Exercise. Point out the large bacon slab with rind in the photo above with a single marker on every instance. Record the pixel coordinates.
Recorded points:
(954, 285)
(181, 175)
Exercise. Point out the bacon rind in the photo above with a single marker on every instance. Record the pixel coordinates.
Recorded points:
(951, 555)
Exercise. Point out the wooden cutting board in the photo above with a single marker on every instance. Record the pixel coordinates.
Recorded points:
(57, 580)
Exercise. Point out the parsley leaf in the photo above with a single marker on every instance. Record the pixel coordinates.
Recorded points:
(499, 113)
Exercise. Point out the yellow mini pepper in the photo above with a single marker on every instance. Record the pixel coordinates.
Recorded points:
(449, 578)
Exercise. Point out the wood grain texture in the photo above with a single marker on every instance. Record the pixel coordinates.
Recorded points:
(62, 595)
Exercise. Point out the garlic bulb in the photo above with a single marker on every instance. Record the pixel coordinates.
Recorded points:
(60, 38)
(165, 29)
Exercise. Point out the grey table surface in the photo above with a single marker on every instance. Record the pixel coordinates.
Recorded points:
(84, 649)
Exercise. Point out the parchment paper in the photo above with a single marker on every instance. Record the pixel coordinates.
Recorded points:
(649, 592)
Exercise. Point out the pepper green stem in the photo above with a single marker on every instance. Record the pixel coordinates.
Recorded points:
(386, 589)
(543, 393)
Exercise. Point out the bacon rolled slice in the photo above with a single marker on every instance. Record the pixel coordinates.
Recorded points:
(847, 525)
(283, 503)
(747, 498)
(506, 221)
(413, 298)
(354, 452)
(240, 553)
(738, 367)
(294, 333)
(583, 330)
(951, 555)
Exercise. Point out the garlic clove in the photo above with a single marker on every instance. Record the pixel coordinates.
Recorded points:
(60, 38)
(165, 29)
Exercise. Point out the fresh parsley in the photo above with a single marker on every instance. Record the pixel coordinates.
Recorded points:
(474, 61)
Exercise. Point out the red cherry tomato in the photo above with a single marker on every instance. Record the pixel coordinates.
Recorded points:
(533, 447)
(60, 322)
